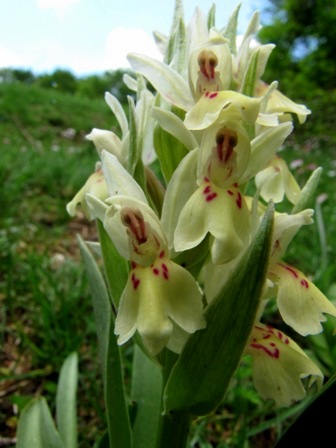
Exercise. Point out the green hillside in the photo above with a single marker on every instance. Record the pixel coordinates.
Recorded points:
(45, 308)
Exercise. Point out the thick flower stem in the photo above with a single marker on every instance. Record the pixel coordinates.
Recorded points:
(174, 426)
(174, 430)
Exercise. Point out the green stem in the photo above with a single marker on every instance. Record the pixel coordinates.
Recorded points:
(173, 430)
(174, 426)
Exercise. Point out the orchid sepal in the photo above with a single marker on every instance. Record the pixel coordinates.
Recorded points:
(279, 365)
(301, 304)
(226, 104)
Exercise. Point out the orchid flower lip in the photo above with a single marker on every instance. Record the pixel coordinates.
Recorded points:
(157, 300)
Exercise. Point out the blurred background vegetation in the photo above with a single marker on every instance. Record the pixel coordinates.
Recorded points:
(45, 305)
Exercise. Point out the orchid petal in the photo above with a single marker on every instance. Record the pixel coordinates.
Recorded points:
(154, 298)
(279, 365)
(118, 111)
(216, 170)
(107, 140)
(276, 181)
(166, 81)
(180, 188)
(118, 232)
(285, 228)
(97, 207)
(225, 104)
(95, 185)
(175, 126)
(301, 304)
(279, 103)
(187, 313)
(118, 180)
(264, 147)
(145, 125)
(130, 82)
(222, 213)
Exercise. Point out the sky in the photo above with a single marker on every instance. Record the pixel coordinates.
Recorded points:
(92, 36)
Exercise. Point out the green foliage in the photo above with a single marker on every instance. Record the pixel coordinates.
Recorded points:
(36, 427)
(116, 407)
(89, 86)
(62, 80)
(305, 36)
(11, 75)
(45, 304)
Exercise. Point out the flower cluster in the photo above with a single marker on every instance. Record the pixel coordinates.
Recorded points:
(214, 129)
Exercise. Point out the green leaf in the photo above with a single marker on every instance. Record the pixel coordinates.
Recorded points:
(231, 29)
(155, 189)
(308, 191)
(173, 38)
(103, 442)
(101, 303)
(201, 375)
(36, 427)
(212, 17)
(66, 415)
(116, 267)
(170, 151)
(120, 434)
(135, 165)
(176, 49)
(250, 78)
(316, 421)
(115, 399)
(133, 147)
(146, 394)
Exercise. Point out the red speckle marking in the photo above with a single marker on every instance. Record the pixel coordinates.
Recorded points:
(165, 271)
(304, 283)
(209, 194)
(210, 95)
(239, 200)
(290, 269)
(274, 353)
(135, 281)
(156, 271)
(231, 193)
(162, 254)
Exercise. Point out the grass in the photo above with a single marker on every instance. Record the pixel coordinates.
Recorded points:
(45, 305)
